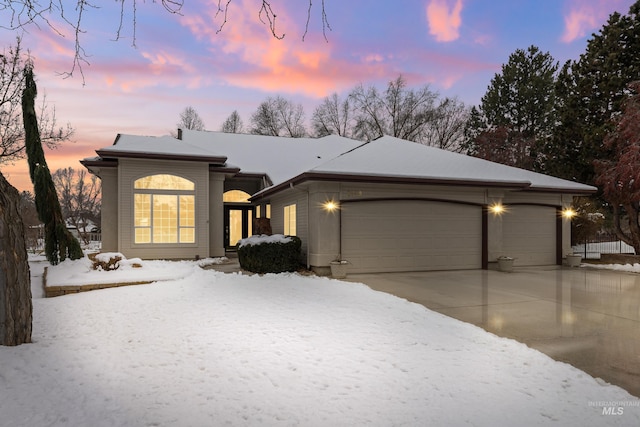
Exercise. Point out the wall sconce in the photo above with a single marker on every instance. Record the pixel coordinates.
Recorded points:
(568, 213)
(497, 208)
(330, 206)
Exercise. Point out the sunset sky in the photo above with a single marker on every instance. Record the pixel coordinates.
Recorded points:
(455, 46)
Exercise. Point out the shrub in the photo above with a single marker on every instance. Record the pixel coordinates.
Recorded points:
(270, 254)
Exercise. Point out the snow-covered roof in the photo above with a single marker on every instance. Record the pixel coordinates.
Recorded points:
(277, 157)
(158, 147)
(393, 157)
(286, 160)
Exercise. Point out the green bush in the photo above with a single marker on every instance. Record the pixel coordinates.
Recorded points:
(271, 257)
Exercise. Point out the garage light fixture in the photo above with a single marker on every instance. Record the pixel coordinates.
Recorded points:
(330, 206)
(568, 213)
(497, 208)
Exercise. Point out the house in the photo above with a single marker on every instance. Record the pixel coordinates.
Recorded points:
(386, 205)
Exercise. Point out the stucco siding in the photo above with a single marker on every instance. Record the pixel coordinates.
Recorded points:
(132, 169)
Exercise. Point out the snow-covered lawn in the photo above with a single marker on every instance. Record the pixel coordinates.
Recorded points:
(211, 349)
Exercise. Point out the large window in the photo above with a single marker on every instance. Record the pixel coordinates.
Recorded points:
(290, 220)
(164, 210)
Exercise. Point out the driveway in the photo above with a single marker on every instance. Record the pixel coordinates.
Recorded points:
(586, 317)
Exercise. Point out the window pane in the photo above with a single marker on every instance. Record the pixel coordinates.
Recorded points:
(187, 211)
(236, 196)
(164, 182)
(142, 210)
(165, 219)
(292, 221)
(187, 235)
(143, 235)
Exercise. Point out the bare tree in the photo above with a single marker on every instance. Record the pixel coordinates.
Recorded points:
(233, 123)
(278, 117)
(80, 200)
(60, 15)
(268, 17)
(333, 117)
(447, 129)
(33, 227)
(189, 119)
(398, 111)
(12, 143)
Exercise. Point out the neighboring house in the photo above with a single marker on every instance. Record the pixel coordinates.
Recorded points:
(386, 205)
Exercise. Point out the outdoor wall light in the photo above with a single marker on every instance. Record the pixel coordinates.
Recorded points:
(497, 208)
(568, 213)
(330, 206)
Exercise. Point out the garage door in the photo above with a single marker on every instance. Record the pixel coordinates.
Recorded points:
(387, 236)
(529, 234)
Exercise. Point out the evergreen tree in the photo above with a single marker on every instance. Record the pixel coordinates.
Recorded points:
(59, 243)
(590, 92)
(515, 114)
(619, 176)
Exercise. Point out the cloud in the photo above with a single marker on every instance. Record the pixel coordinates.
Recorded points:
(584, 16)
(444, 21)
(244, 53)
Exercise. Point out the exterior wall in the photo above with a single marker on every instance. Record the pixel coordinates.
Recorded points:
(132, 169)
(324, 228)
(300, 197)
(109, 210)
(216, 215)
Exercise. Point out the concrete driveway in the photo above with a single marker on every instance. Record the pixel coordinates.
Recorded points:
(586, 317)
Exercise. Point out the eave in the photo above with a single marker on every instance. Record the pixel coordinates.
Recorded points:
(386, 179)
(218, 160)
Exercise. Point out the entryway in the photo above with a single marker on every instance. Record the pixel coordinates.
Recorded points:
(238, 224)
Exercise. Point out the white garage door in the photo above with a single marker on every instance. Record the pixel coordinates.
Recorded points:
(387, 236)
(529, 234)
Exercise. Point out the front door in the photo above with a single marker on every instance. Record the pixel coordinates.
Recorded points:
(238, 224)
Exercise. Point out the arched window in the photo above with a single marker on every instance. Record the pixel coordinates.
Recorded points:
(164, 210)
(235, 196)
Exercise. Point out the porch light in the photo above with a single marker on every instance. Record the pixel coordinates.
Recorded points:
(330, 206)
(497, 209)
(568, 213)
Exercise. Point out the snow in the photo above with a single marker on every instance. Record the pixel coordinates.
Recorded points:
(80, 272)
(284, 159)
(263, 238)
(279, 158)
(629, 268)
(208, 348)
(389, 156)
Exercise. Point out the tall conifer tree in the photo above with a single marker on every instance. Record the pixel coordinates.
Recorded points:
(59, 243)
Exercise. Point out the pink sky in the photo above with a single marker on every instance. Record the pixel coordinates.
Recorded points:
(455, 46)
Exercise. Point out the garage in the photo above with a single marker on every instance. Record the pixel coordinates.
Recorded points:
(411, 235)
(529, 234)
